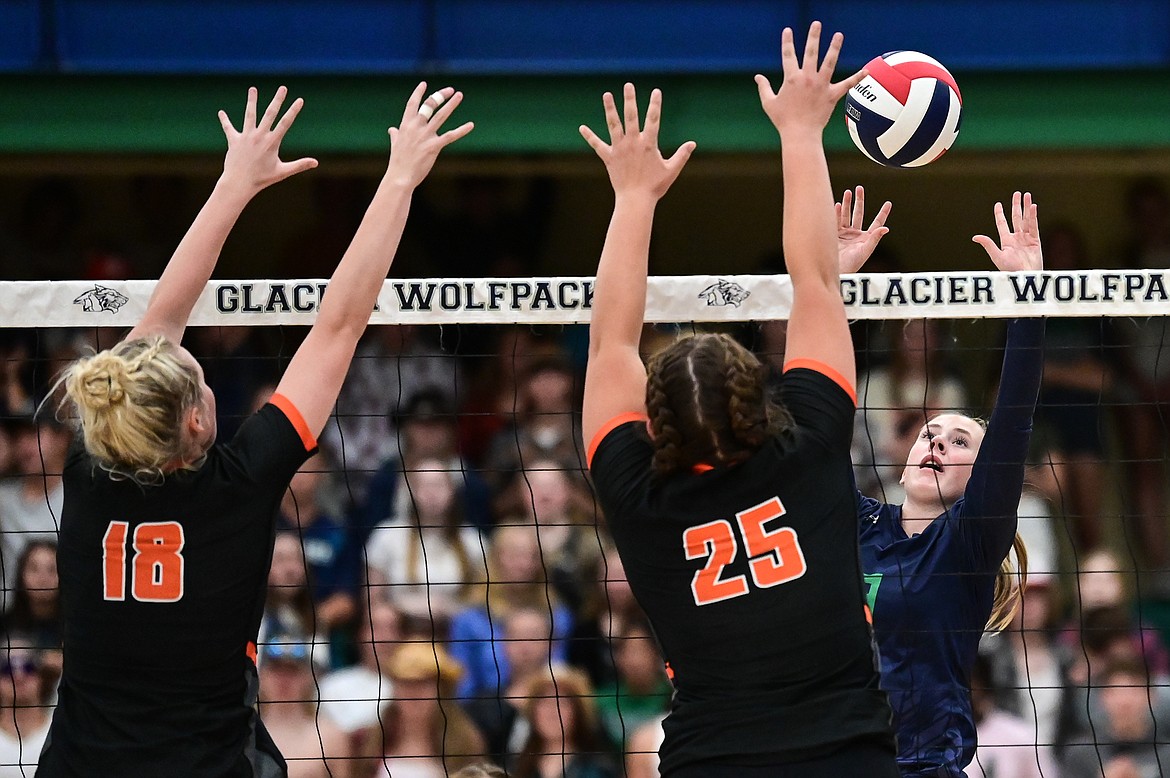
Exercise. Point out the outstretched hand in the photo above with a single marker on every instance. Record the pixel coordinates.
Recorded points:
(253, 156)
(855, 243)
(808, 96)
(415, 143)
(632, 157)
(1019, 243)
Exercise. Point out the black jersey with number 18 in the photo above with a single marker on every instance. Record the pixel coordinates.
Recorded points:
(162, 591)
(751, 578)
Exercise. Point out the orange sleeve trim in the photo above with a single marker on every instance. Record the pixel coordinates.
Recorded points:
(609, 427)
(250, 651)
(827, 372)
(298, 421)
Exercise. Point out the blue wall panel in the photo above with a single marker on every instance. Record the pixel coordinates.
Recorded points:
(573, 36)
(582, 36)
(20, 34)
(1007, 34)
(264, 36)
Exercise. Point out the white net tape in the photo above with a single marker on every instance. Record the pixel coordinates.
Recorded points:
(568, 300)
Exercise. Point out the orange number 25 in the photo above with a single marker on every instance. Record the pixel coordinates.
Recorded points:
(775, 555)
(156, 570)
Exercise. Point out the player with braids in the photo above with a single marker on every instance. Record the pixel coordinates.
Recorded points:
(937, 567)
(167, 535)
(734, 516)
(728, 423)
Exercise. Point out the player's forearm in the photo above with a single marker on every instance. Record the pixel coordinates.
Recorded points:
(353, 289)
(619, 296)
(810, 231)
(194, 260)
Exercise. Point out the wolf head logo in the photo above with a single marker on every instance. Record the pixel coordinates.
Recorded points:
(101, 298)
(724, 293)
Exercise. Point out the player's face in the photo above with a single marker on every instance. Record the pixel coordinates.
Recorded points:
(40, 574)
(20, 679)
(939, 464)
(432, 491)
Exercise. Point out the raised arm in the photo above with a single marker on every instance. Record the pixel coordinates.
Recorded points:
(817, 327)
(615, 378)
(314, 376)
(252, 163)
(992, 497)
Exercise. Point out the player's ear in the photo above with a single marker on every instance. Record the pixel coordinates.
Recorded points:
(195, 422)
(649, 430)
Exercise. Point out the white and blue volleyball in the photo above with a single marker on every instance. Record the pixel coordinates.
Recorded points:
(905, 112)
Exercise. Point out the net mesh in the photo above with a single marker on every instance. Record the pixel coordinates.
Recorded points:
(444, 594)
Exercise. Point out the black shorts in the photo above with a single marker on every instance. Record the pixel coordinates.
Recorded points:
(867, 758)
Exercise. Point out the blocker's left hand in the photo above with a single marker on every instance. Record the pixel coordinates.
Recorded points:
(855, 243)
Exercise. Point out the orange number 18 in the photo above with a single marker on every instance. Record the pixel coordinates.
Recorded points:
(157, 567)
(775, 555)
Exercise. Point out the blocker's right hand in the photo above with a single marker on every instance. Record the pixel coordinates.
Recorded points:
(808, 95)
(632, 157)
(415, 143)
(253, 156)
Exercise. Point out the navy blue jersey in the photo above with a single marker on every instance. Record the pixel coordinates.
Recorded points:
(931, 594)
(162, 590)
(751, 580)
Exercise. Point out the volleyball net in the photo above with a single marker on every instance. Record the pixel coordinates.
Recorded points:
(443, 573)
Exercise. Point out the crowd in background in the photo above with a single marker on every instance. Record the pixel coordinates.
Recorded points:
(443, 591)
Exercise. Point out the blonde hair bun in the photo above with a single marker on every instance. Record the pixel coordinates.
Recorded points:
(101, 380)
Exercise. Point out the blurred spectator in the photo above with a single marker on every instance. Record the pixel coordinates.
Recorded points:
(1077, 378)
(35, 617)
(609, 606)
(31, 503)
(642, 691)
(428, 429)
(16, 400)
(1102, 590)
(355, 698)
(1029, 671)
(565, 740)
(642, 749)
(392, 364)
(423, 561)
(527, 641)
(484, 770)
(1145, 366)
(312, 744)
(25, 712)
(515, 579)
(332, 560)
(237, 362)
(1126, 742)
(895, 400)
(426, 733)
(1007, 743)
(288, 606)
(492, 399)
(544, 424)
(570, 548)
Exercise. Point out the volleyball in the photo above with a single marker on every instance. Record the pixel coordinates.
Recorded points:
(906, 111)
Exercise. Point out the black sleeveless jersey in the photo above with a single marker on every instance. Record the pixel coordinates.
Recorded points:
(162, 591)
(751, 578)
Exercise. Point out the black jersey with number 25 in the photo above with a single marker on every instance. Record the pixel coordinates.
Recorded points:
(162, 591)
(751, 578)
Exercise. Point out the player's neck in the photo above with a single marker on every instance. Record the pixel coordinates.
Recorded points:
(22, 720)
(917, 514)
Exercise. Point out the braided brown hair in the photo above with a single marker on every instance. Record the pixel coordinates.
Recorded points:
(708, 401)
